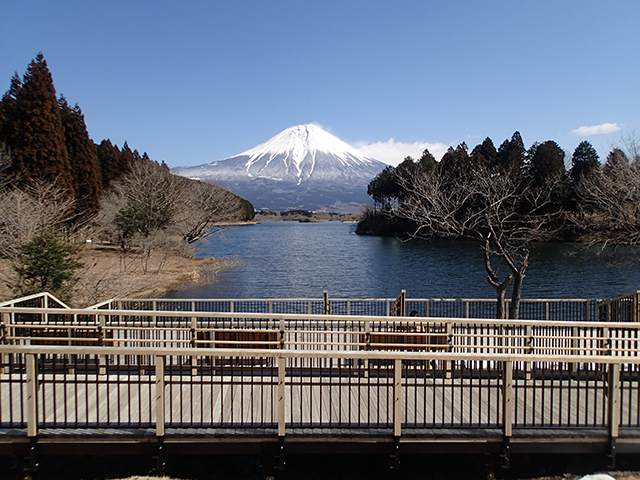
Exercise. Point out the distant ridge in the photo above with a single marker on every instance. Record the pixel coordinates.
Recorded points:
(302, 167)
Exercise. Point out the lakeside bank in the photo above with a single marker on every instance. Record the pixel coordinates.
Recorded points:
(109, 273)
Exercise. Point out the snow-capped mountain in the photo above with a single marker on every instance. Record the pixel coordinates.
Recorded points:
(303, 167)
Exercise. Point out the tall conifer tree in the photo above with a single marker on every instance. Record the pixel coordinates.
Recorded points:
(511, 155)
(83, 159)
(584, 162)
(34, 129)
(109, 160)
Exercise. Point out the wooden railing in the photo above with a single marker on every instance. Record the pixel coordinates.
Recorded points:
(625, 308)
(285, 373)
(278, 390)
(530, 309)
(168, 329)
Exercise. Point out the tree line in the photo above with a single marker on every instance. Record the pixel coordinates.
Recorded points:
(509, 197)
(57, 186)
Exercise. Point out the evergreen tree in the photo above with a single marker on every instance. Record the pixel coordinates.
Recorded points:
(511, 155)
(455, 162)
(83, 159)
(35, 134)
(485, 153)
(546, 163)
(126, 158)
(617, 161)
(47, 264)
(584, 162)
(8, 109)
(109, 161)
(547, 176)
(427, 161)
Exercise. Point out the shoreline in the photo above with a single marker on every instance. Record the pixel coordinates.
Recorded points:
(108, 273)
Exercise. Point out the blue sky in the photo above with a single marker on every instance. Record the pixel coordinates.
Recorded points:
(196, 81)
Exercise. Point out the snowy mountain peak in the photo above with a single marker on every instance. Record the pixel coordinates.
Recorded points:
(303, 141)
(303, 166)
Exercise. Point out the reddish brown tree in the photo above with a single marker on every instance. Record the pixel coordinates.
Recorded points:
(33, 129)
(83, 159)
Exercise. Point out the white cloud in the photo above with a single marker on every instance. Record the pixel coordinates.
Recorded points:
(393, 152)
(596, 129)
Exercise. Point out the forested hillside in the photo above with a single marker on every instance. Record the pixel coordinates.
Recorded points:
(58, 187)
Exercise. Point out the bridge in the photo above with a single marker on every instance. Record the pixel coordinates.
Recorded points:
(280, 377)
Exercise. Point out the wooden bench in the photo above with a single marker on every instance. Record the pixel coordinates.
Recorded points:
(48, 335)
(409, 338)
(237, 339)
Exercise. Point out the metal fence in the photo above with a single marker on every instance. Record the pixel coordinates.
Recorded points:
(530, 309)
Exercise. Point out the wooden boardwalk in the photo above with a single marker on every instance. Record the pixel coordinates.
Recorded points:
(127, 381)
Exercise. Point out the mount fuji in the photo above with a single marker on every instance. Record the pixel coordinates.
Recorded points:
(301, 168)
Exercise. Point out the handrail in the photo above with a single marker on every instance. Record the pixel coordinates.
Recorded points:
(309, 331)
(287, 353)
(625, 308)
(44, 295)
(311, 317)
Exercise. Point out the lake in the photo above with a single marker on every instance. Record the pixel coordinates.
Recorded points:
(300, 260)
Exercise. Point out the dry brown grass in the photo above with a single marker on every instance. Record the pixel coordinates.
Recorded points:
(108, 273)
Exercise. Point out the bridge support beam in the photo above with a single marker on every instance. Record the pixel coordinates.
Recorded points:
(160, 463)
(613, 411)
(395, 454)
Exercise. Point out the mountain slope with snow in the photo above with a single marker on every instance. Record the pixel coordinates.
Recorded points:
(303, 167)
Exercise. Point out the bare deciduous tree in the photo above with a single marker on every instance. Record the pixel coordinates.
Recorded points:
(609, 209)
(39, 207)
(486, 206)
(204, 209)
(150, 208)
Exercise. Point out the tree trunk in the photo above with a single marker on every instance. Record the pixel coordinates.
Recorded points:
(501, 290)
(516, 295)
(492, 278)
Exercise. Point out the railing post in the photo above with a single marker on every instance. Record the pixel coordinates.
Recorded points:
(326, 305)
(614, 399)
(282, 334)
(507, 399)
(448, 364)
(193, 343)
(102, 359)
(281, 394)
(575, 345)
(397, 398)
(367, 347)
(160, 406)
(4, 332)
(586, 310)
(613, 410)
(32, 396)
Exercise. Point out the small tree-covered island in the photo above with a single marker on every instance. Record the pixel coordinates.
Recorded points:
(509, 198)
(59, 189)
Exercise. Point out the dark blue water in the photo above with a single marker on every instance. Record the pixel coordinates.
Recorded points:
(300, 260)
